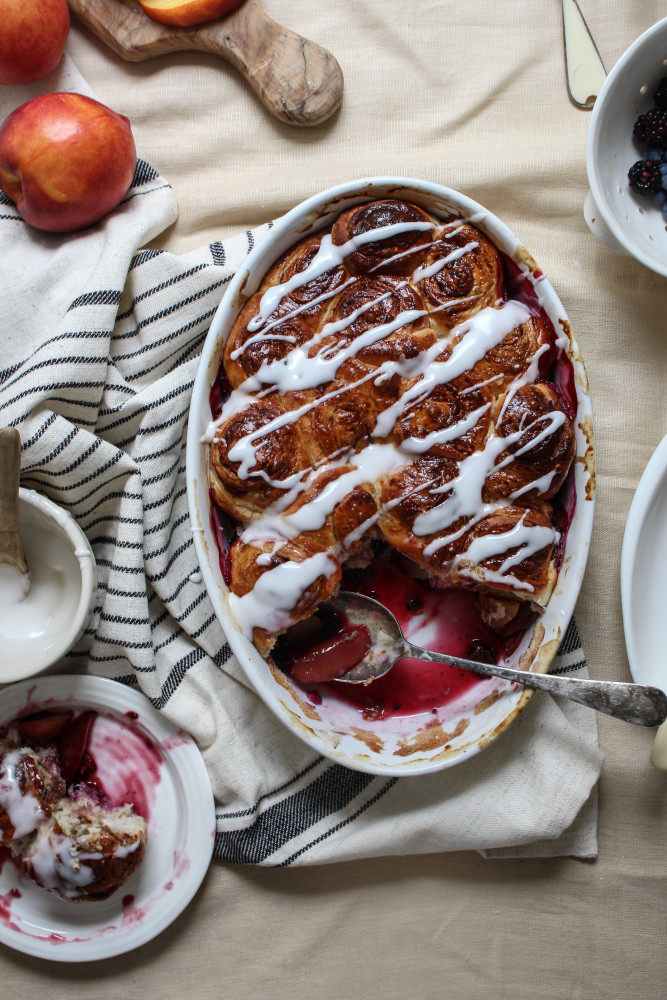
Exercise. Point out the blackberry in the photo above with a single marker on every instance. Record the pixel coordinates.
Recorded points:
(651, 129)
(645, 177)
(660, 96)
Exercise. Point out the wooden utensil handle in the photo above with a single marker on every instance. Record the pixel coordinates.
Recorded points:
(11, 550)
(298, 81)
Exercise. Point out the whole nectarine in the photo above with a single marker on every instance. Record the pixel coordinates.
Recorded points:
(32, 38)
(184, 13)
(66, 160)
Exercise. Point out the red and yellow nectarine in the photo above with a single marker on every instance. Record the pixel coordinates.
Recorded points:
(184, 13)
(66, 160)
(32, 38)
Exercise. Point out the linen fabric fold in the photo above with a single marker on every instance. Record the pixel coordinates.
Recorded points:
(99, 346)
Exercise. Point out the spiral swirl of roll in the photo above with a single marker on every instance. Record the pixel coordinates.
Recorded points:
(532, 568)
(311, 297)
(461, 273)
(374, 304)
(246, 351)
(452, 422)
(274, 461)
(393, 254)
(542, 446)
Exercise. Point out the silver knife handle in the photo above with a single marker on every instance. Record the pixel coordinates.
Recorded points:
(585, 72)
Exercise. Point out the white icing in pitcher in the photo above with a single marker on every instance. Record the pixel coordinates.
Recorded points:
(14, 585)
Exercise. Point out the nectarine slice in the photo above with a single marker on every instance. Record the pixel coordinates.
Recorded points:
(185, 13)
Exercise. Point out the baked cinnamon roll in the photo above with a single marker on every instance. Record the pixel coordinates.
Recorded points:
(246, 351)
(541, 445)
(255, 456)
(386, 388)
(451, 422)
(30, 785)
(421, 488)
(311, 297)
(398, 249)
(88, 849)
(510, 549)
(384, 317)
(524, 348)
(273, 585)
(460, 274)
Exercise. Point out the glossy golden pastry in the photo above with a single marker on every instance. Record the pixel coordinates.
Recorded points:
(385, 387)
(461, 274)
(392, 255)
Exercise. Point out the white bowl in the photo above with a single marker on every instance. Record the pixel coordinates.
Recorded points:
(624, 221)
(36, 633)
(392, 746)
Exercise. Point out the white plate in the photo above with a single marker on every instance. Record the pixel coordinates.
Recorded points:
(181, 829)
(644, 574)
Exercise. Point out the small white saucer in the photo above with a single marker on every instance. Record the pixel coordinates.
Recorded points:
(181, 830)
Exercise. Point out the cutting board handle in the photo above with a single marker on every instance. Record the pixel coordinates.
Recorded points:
(298, 81)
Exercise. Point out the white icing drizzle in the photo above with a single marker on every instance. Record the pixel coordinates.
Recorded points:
(60, 866)
(527, 539)
(23, 809)
(298, 371)
(327, 257)
(417, 446)
(269, 603)
(367, 466)
(431, 269)
(480, 333)
(464, 498)
(264, 334)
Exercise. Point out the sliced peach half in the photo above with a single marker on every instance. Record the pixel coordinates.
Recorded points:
(185, 13)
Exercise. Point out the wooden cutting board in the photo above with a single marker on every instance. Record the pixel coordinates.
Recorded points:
(298, 81)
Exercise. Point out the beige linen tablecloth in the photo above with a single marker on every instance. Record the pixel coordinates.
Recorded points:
(472, 97)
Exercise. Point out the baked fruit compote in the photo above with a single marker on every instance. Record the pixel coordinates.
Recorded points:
(393, 414)
(55, 815)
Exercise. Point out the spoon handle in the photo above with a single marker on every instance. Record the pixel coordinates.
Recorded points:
(635, 703)
(11, 550)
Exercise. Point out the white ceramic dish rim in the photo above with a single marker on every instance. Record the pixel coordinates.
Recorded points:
(88, 568)
(643, 516)
(183, 766)
(623, 237)
(306, 217)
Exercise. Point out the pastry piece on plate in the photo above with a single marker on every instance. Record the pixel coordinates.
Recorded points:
(88, 849)
(30, 785)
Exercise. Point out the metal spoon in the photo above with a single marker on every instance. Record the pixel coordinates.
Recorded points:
(636, 703)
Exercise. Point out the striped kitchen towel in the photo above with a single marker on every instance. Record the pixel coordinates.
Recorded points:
(99, 346)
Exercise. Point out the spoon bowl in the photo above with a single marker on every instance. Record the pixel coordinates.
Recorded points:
(639, 704)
